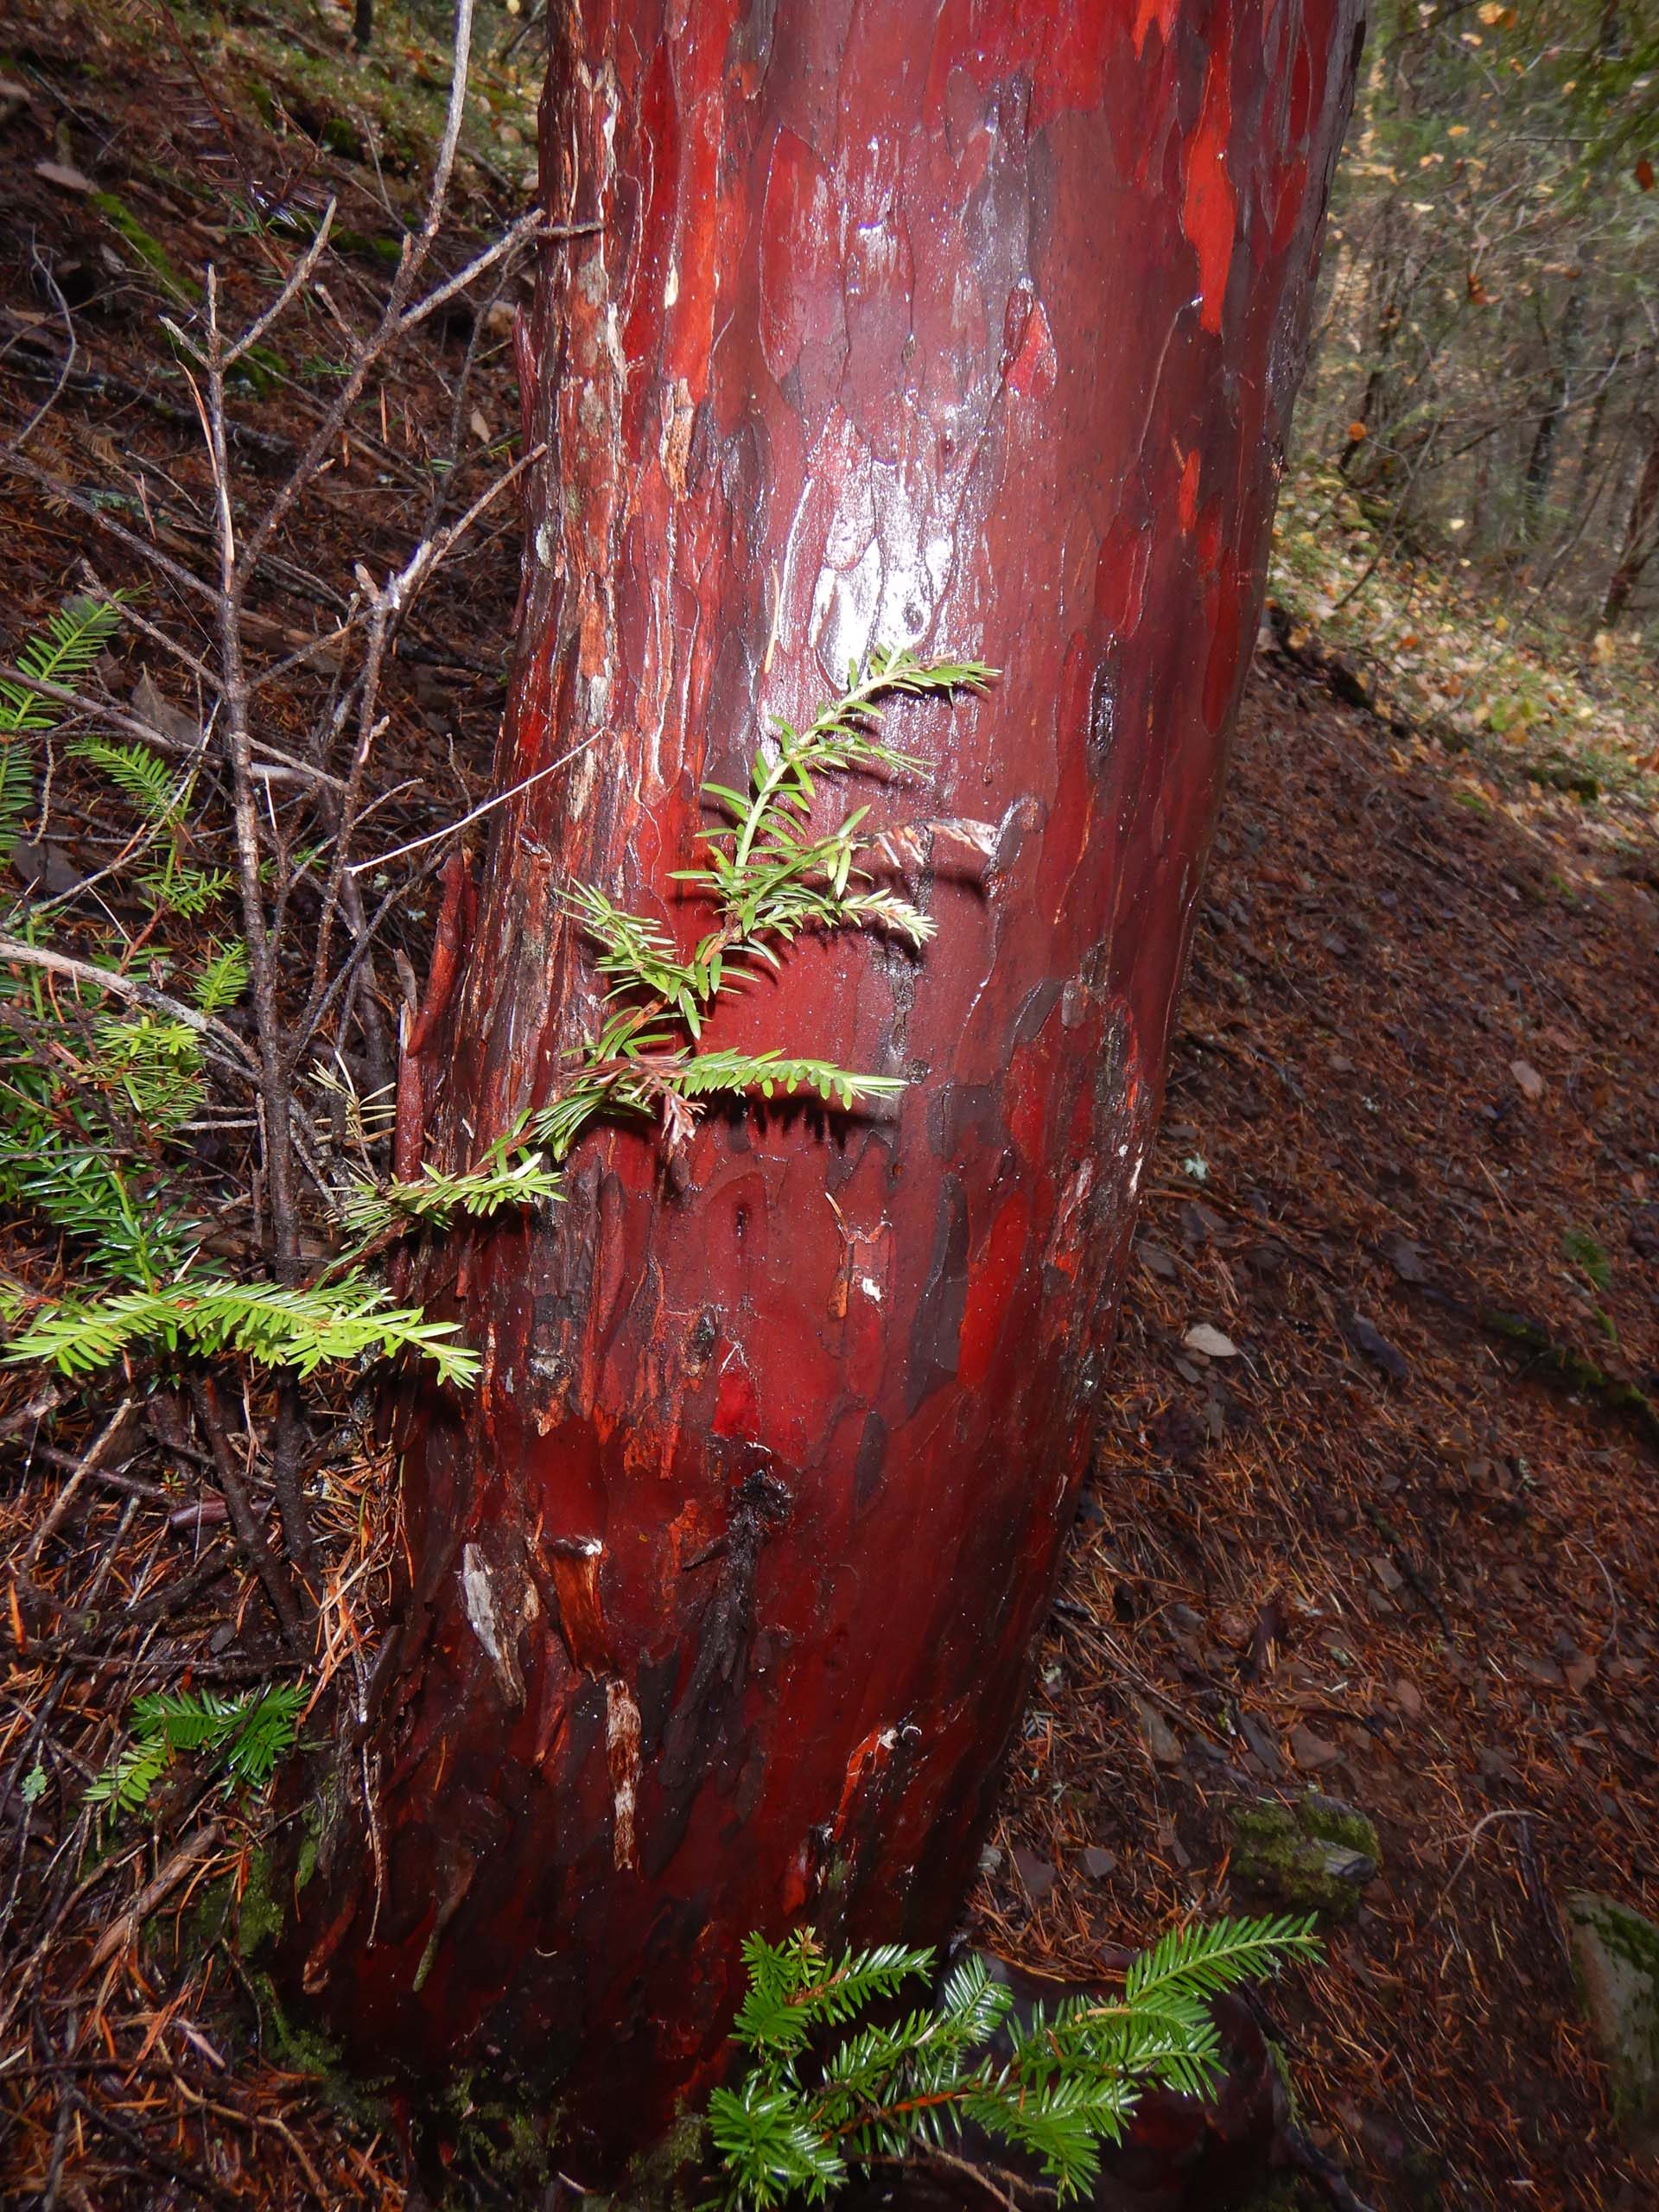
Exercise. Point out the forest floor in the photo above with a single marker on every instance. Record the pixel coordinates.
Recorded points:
(1389, 1547)
(1394, 1534)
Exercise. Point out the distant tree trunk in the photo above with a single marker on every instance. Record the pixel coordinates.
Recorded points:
(974, 327)
(1641, 532)
(1546, 439)
(1594, 426)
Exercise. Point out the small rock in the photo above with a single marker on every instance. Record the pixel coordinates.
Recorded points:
(1202, 1338)
(1199, 1226)
(1616, 1953)
(1315, 1856)
(1405, 1258)
(1261, 1743)
(1036, 1873)
(1098, 1864)
(1162, 1740)
(1155, 1260)
(1408, 1698)
(1367, 1338)
(64, 176)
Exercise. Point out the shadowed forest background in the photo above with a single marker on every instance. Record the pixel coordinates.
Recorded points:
(1372, 1532)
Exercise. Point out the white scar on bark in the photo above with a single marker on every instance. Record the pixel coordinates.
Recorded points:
(622, 1745)
(479, 1592)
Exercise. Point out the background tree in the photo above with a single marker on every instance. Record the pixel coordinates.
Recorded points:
(975, 332)
(1489, 339)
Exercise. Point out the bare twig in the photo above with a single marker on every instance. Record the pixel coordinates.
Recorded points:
(60, 1504)
(245, 1521)
(71, 355)
(121, 1929)
(125, 986)
(298, 277)
(485, 806)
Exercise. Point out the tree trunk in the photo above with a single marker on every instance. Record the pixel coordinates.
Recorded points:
(975, 327)
(1546, 433)
(1641, 533)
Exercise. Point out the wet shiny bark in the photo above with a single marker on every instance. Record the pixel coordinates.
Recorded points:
(974, 327)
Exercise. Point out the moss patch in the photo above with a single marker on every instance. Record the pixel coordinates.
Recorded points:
(1314, 1856)
(151, 251)
(1616, 1956)
(259, 1916)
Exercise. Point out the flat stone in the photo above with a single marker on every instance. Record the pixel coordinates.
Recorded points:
(1616, 1952)
(1036, 1873)
(1160, 1738)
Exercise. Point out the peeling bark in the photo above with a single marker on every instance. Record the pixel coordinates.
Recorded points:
(974, 327)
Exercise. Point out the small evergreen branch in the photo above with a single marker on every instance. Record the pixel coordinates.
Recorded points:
(1055, 2088)
(141, 776)
(224, 979)
(775, 881)
(140, 1235)
(245, 1735)
(273, 1325)
(62, 653)
(433, 1199)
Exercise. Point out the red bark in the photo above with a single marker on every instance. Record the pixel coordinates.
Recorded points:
(976, 326)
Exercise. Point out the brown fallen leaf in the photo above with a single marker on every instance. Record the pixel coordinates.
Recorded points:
(1408, 1698)
(1528, 1078)
(1311, 1750)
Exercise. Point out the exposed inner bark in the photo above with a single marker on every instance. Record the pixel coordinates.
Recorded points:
(973, 326)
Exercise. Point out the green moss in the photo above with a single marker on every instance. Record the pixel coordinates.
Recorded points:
(342, 137)
(1628, 1936)
(1616, 1966)
(1322, 1817)
(1294, 1854)
(511, 2145)
(209, 1919)
(665, 2178)
(259, 1916)
(151, 251)
(305, 2050)
(363, 247)
(1558, 775)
